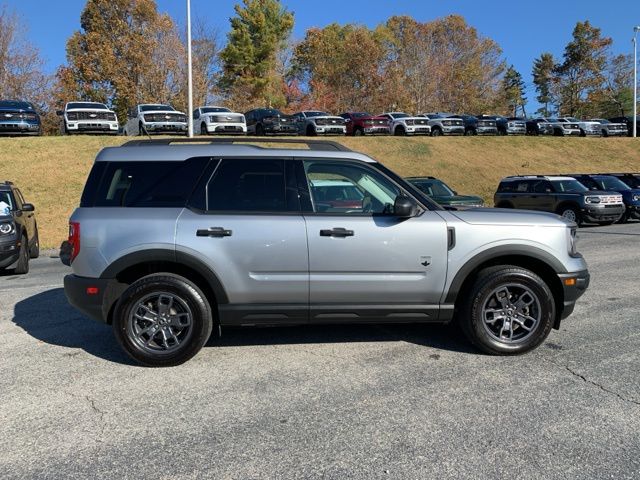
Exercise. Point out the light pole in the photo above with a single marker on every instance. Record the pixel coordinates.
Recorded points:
(190, 71)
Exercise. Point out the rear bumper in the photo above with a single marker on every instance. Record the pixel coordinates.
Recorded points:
(574, 285)
(95, 305)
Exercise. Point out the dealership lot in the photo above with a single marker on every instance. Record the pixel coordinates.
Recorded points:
(326, 402)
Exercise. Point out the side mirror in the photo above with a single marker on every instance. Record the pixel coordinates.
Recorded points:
(404, 207)
(59, 113)
(28, 207)
(347, 120)
(454, 192)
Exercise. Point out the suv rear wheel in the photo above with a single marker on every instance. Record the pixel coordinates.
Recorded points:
(570, 213)
(436, 132)
(509, 310)
(162, 320)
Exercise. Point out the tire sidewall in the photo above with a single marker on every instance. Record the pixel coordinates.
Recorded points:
(189, 293)
(479, 296)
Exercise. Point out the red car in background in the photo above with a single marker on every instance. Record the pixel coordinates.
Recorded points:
(363, 123)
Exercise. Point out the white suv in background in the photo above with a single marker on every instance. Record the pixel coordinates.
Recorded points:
(402, 123)
(155, 118)
(210, 119)
(88, 117)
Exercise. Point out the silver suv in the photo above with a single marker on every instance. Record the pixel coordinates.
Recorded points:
(173, 239)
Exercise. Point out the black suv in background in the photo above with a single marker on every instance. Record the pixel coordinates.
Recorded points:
(630, 196)
(442, 194)
(18, 230)
(18, 118)
(629, 122)
(562, 195)
(630, 179)
(269, 121)
(539, 126)
(476, 126)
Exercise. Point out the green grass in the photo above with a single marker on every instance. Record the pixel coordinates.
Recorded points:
(51, 171)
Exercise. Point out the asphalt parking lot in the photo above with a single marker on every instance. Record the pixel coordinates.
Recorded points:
(333, 402)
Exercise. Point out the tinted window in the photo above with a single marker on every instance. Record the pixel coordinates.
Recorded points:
(612, 183)
(156, 108)
(433, 188)
(17, 105)
(6, 198)
(569, 186)
(148, 184)
(543, 186)
(86, 105)
(251, 185)
(215, 110)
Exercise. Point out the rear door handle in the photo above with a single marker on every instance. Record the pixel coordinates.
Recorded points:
(214, 232)
(336, 232)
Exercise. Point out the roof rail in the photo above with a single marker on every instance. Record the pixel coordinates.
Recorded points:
(322, 145)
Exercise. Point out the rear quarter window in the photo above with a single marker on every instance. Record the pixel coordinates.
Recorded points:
(145, 184)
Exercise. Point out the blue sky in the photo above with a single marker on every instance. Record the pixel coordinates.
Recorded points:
(522, 29)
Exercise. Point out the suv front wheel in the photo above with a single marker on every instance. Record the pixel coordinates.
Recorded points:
(509, 310)
(162, 320)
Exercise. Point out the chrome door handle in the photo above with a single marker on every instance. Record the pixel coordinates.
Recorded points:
(216, 232)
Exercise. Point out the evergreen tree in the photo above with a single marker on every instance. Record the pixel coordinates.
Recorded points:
(513, 88)
(543, 73)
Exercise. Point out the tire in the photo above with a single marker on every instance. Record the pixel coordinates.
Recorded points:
(157, 348)
(22, 267)
(624, 218)
(141, 130)
(203, 129)
(34, 251)
(582, 133)
(502, 133)
(311, 132)
(605, 133)
(358, 132)
(399, 131)
(259, 130)
(571, 213)
(436, 132)
(469, 133)
(507, 297)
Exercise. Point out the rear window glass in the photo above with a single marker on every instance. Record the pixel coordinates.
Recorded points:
(148, 184)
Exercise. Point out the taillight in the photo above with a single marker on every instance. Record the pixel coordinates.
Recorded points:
(74, 240)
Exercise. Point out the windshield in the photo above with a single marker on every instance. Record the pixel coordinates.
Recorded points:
(399, 115)
(569, 186)
(87, 105)
(17, 105)
(572, 119)
(156, 108)
(5, 204)
(315, 114)
(433, 188)
(611, 183)
(215, 110)
(604, 121)
(361, 115)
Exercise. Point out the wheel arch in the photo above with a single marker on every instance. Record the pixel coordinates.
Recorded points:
(567, 203)
(538, 261)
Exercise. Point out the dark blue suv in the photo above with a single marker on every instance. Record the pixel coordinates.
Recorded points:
(630, 196)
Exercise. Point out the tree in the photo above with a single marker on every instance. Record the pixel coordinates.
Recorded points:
(513, 88)
(582, 71)
(543, 77)
(125, 53)
(259, 31)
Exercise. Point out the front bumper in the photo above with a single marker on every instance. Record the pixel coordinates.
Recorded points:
(618, 133)
(593, 133)
(377, 130)
(452, 130)
(331, 130)
(573, 285)
(486, 130)
(422, 130)
(92, 126)
(19, 127)
(602, 213)
(570, 133)
(164, 127)
(95, 305)
(227, 128)
(516, 130)
(9, 251)
(281, 129)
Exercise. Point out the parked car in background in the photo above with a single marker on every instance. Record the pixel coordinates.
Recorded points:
(475, 126)
(313, 122)
(173, 240)
(628, 121)
(19, 118)
(564, 128)
(507, 125)
(443, 124)
(153, 118)
(563, 195)
(362, 123)
(19, 239)
(210, 120)
(588, 128)
(442, 194)
(269, 121)
(630, 179)
(539, 126)
(336, 196)
(610, 129)
(610, 183)
(88, 117)
(402, 124)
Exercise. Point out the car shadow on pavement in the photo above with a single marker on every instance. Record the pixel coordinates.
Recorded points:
(48, 317)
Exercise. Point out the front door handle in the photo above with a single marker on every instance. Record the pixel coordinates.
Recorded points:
(214, 232)
(336, 232)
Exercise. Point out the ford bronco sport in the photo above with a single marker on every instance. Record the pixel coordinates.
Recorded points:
(173, 238)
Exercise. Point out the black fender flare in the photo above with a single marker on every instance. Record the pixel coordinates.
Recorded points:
(497, 252)
(171, 256)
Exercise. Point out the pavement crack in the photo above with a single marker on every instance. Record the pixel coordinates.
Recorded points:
(101, 415)
(601, 387)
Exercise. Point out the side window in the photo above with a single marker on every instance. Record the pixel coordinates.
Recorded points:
(196, 114)
(346, 188)
(149, 184)
(543, 186)
(252, 185)
(522, 187)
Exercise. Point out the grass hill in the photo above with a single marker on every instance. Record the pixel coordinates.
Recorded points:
(51, 171)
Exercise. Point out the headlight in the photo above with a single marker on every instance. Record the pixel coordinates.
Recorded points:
(7, 228)
(573, 242)
(592, 199)
(636, 198)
